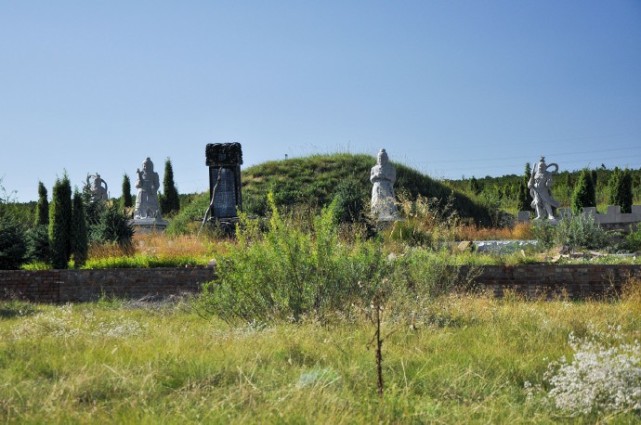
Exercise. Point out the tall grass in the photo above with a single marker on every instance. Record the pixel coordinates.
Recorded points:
(157, 250)
(468, 360)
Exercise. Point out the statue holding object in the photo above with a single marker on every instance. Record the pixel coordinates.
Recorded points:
(148, 183)
(97, 187)
(540, 185)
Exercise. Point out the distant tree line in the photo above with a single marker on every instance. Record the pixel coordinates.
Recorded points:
(575, 189)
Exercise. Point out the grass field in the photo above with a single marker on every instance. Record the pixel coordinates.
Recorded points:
(468, 360)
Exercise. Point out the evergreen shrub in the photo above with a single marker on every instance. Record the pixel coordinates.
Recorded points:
(60, 212)
(12, 244)
(584, 194)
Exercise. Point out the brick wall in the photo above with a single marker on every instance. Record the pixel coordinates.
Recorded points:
(533, 280)
(61, 286)
(577, 281)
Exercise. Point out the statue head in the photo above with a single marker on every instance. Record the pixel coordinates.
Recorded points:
(148, 166)
(382, 157)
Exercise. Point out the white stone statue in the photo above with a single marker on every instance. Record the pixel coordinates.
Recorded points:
(98, 188)
(540, 185)
(147, 198)
(383, 176)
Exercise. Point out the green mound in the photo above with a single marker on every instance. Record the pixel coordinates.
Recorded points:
(312, 181)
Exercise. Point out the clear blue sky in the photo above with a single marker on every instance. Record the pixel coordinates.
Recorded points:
(450, 88)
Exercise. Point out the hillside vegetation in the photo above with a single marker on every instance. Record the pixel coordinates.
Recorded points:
(314, 181)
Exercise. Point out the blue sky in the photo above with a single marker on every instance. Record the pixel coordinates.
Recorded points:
(451, 88)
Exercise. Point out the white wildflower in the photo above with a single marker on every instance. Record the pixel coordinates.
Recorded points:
(602, 377)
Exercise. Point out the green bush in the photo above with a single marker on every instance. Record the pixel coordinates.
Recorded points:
(12, 244)
(633, 241)
(350, 201)
(112, 227)
(289, 272)
(577, 231)
(190, 216)
(37, 239)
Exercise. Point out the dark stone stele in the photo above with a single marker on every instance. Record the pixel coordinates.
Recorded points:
(224, 161)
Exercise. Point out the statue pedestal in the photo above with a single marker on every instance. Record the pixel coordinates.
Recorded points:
(149, 225)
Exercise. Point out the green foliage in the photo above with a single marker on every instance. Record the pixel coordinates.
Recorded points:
(169, 202)
(633, 240)
(288, 272)
(12, 244)
(143, 261)
(37, 239)
(190, 216)
(577, 231)
(112, 226)
(523, 195)
(475, 187)
(126, 201)
(350, 201)
(60, 212)
(42, 208)
(621, 189)
(80, 239)
(584, 192)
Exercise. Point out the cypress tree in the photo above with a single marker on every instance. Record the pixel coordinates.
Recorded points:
(170, 201)
(126, 201)
(42, 208)
(522, 196)
(584, 194)
(60, 212)
(621, 190)
(527, 173)
(475, 187)
(79, 245)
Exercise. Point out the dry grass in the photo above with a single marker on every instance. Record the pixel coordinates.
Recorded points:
(520, 231)
(163, 246)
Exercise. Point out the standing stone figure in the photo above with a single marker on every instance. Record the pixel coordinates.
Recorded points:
(540, 185)
(383, 176)
(98, 188)
(147, 198)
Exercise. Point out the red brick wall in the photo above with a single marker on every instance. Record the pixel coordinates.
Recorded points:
(60, 286)
(577, 281)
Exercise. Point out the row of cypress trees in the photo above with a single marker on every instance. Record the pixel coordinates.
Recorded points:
(66, 223)
(66, 219)
(584, 194)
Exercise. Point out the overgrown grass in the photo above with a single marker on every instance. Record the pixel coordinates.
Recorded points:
(468, 360)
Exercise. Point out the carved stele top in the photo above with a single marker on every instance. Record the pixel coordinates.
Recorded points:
(224, 154)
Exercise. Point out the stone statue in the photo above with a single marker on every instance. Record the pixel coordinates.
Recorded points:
(383, 176)
(147, 198)
(98, 188)
(540, 185)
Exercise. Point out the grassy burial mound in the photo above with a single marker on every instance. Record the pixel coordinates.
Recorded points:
(313, 181)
